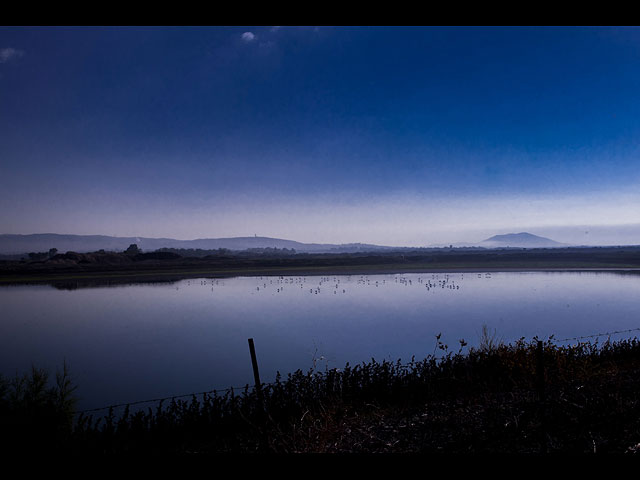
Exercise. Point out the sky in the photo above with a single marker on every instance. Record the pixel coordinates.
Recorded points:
(407, 136)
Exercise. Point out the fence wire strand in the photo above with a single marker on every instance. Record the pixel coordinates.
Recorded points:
(173, 397)
(605, 334)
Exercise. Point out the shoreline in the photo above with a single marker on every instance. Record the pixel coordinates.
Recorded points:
(173, 276)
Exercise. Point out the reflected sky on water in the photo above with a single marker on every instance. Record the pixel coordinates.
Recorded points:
(133, 342)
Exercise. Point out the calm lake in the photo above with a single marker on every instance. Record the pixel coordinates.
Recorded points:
(143, 341)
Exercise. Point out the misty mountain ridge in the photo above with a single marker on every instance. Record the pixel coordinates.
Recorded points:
(41, 242)
(522, 239)
(14, 244)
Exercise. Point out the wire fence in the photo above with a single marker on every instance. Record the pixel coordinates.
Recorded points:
(154, 400)
(605, 334)
(246, 386)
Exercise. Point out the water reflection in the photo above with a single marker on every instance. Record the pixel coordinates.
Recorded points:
(146, 340)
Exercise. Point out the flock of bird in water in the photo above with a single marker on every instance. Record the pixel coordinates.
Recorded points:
(340, 285)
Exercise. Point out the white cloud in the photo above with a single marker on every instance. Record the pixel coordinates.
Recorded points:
(7, 54)
(248, 37)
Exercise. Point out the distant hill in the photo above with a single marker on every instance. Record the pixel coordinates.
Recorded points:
(11, 244)
(520, 240)
(41, 242)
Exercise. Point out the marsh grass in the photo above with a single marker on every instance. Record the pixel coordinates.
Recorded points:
(36, 413)
(489, 341)
(480, 401)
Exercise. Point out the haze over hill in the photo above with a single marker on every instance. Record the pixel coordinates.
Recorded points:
(522, 239)
(17, 244)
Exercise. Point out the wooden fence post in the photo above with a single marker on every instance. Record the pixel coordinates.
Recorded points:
(254, 362)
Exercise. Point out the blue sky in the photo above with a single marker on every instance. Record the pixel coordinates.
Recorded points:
(403, 136)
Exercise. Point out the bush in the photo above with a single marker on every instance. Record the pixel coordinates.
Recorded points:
(35, 415)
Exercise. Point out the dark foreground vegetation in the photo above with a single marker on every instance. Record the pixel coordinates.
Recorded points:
(165, 264)
(492, 399)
